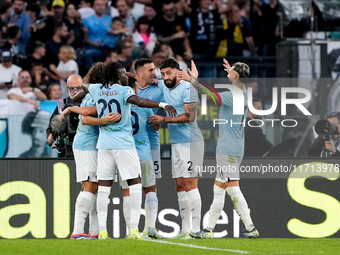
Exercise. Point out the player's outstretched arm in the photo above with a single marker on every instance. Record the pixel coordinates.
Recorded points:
(146, 103)
(85, 111)
(110, 118)
(192, 78)
(188, 116)
(79, 96)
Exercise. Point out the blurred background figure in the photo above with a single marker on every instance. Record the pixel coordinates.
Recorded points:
(35, 124)
(54, 92)
(9, 73)
(66, 67)
(25, 92)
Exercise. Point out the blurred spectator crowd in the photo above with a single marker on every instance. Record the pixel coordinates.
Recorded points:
(43, 42)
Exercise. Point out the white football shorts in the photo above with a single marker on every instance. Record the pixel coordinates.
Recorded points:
(187, 159)
(86, 165)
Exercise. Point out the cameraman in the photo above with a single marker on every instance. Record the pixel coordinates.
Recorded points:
(73, 88)
(331, 148)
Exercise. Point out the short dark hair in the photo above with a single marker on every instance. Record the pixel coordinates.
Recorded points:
(169, 62)
(141, 62)
(332, 114)
(13, 31)
(88, 1)
(132, 82)
(33, 7)
(108, 52)
(36, 63)
(241, 3)
(4, 6)
(111, 74)
(255, 99)
(242, 69)
(24, 70)
(58, 26)
(117, 19)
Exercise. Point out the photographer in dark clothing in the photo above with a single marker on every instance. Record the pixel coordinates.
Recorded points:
(73, 88)
(327, 144)
(255, 142)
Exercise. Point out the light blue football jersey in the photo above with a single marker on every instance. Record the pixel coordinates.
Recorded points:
(87, 136)
(139, 120)
(231, 136)
(156, 94)
(177, 96)
(116, 136)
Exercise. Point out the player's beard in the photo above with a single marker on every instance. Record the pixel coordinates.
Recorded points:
(172, 83)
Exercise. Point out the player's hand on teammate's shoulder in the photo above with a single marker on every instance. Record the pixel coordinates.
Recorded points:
(155, 82)
(112, 117)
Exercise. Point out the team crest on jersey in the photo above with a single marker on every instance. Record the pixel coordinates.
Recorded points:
(175, 93)
(150, 96)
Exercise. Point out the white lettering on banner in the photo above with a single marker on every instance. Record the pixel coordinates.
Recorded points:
(238, 100)
(224, 122)
(171, 224)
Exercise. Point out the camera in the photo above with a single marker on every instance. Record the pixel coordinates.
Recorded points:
(325, 128)
(65, 130)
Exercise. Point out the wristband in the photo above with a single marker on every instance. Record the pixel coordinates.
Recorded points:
(162, 105)
(192, 80)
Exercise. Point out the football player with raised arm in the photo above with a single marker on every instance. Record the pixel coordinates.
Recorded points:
(229, 150)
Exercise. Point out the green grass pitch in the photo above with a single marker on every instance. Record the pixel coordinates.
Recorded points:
(167, 246)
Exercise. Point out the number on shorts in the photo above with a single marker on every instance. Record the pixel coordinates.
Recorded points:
(135, 125)
(189, 168)
(109, 105)
(156, 165)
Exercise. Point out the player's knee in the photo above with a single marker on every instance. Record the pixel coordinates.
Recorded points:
(134, 181)
(90, 187)
(180, 184)
(126, 192)
(149, 189)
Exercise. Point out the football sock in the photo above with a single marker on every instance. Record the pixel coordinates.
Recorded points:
(83, 204)
(135, 204)
(151, 208)
(184, 210)
(241, 206)
(126, 210)
(102, 204)
(146, 214)
(216, 207)
(195, 206)
(94, 225)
